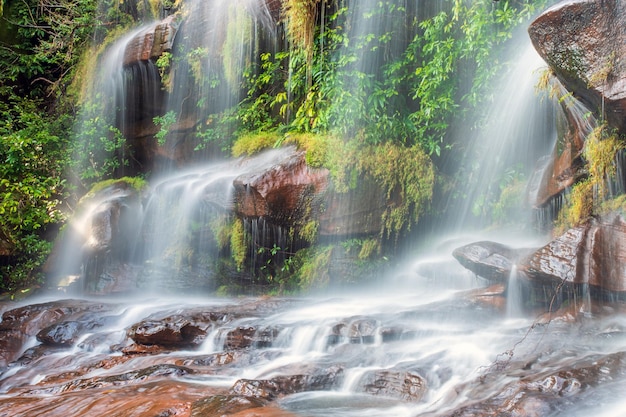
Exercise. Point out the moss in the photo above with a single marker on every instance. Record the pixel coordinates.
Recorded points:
(408, 177)
(313, 267)
(238, 243)
(252, 143)
(580, 207)
(221, 227)
(512, 197)
(308, 232)
(139, 184)
(600, 150)
(587, 197)
(368, 248)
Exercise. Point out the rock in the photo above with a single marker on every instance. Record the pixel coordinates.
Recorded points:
(240, 338)
(179, 330)
(489, 260)
(357, 212)
(269, 389)
(224, 405)
(153, 42)
(403, 385)
(100, 240)
(554, 173)
(593, 253)
(19, 324)
(286, 194)
(583, 41)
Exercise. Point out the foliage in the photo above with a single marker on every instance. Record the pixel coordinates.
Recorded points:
(164, 122)
(587, 196)
(42, 44)
(311, 267)
(31, 187)
(98, 146)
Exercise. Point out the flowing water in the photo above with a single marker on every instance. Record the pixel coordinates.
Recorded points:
(430, 339)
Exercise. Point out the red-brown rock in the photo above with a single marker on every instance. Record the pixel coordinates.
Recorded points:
(584, 42)
(593, 253)
(285, 194)
(151, 43)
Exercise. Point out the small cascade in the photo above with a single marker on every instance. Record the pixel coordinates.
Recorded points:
(514, 295)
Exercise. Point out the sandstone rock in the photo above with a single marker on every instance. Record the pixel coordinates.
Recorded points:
(593, 253)
(583, 41)
(564, 166)
(285, 194)
(179, 330)
(19, 324)
(153, 42)
(489, 260)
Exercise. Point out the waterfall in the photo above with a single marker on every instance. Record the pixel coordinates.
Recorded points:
(516, 130)
(219, 43)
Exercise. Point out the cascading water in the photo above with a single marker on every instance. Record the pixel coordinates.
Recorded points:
(425, 342)
(515, 131)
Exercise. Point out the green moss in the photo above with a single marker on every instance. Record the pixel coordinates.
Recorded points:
(139, 184)
(580, 207)
(369, 247)
(313, 267)
(600, 150)
(308, 232)
(238, 245)
(408, 177)
(252, 143)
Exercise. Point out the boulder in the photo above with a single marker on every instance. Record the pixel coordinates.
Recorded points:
(593, 253)
(584, 42)
(285, 194)
(489, 260)
(151, 43)
(178, 330)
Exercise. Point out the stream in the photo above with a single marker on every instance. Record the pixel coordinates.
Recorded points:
(432, 341)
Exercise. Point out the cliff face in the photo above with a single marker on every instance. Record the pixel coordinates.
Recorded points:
(584, 43)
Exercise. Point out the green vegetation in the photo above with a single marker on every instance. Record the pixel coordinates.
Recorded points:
(589, 196)
(375, 105)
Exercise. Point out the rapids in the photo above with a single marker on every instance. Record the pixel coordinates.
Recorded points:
(438, 344)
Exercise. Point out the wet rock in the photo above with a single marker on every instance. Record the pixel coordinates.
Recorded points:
(224, 405)
(240, 338)
(489, 260)
(592, 254)
(541, 392)
(285, 194)
(583, 41)
(141, 375)
(554, 173)
(62, 334)
(180, 330)
(152, 42)
(99, 244)
(21, 323)
(363, 331)
(404, 385)
(288, 384)
(359, 211)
